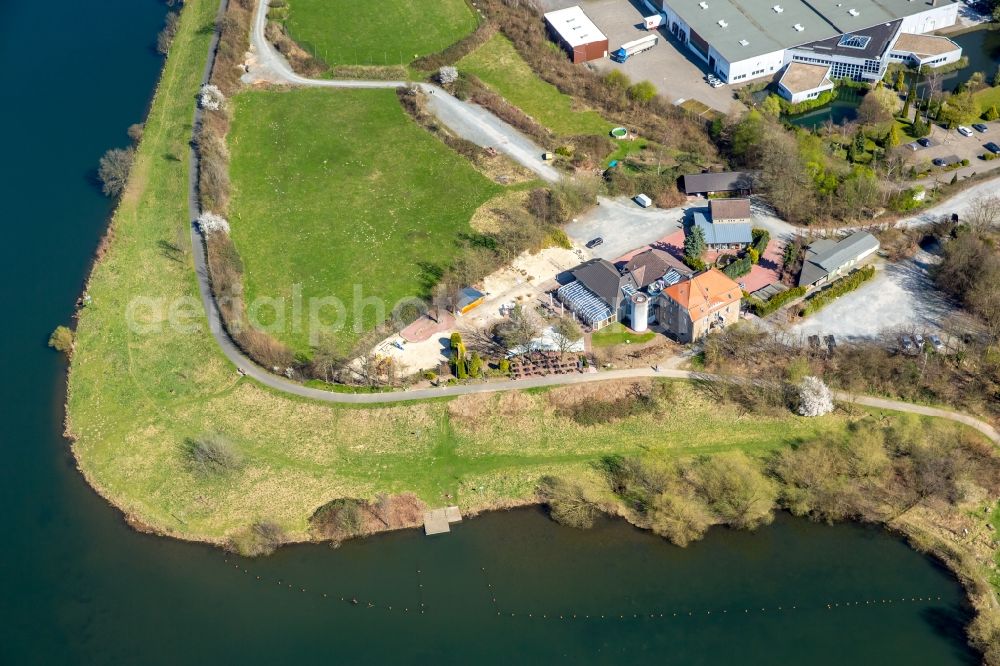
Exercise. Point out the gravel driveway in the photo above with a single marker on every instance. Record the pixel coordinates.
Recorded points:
(901, 297)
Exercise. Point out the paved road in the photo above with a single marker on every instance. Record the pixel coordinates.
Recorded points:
(469, 121)
(250, 369)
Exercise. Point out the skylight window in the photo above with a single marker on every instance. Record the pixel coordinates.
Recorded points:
(703, 5)
(854, 12)
(744, 42)
(777, 9)
(798, 27)
(723, 24)
(854, 41)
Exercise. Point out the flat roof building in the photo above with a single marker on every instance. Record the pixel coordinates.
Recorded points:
(747, 39)
(577, 34)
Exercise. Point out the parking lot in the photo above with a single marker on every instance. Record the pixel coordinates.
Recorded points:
(900, 298)
(624, 226)
(947, 143)
(677, 74)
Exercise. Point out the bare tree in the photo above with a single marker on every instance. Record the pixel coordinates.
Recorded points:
(519, 329)
(113, 170)
(984, 213)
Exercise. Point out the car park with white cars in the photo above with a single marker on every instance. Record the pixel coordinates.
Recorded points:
(964, 131)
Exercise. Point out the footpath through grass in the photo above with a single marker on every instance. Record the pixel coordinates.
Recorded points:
(342, 194)
(502, 68)
(378, 32)
(137, 394)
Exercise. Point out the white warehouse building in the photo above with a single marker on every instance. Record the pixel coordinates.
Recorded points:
(742, 40)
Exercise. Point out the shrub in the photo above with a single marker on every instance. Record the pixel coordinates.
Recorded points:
(568, 502)
(167, 34)
(736, 490)
(260, 539)
(212, 454)
(992, 113)
(113, 170)
(642, 92)
(761, 237)
(447, 75)
(135, 131)
(504, 366)
(339, 519)
(837, 289)
(61, 339)
(754, 255)
(815, 398)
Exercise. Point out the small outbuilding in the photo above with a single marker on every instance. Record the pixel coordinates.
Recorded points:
(802, 82)
(573, 30)
(468, 299)
(827, 260)
(732, 183)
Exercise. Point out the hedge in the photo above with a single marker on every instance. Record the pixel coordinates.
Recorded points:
(764, 308)
(761, 237)
(739, 267)
(837, 289)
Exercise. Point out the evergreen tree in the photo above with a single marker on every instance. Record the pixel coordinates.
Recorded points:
(892, 137)
(694, 244)
(992, 113)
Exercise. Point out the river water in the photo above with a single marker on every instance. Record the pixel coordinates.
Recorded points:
(79, 587)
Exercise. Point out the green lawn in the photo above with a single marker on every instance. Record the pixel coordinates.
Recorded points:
(988, 97)
(378, 32)
(500, 66)
(618, 334)
(338, 191)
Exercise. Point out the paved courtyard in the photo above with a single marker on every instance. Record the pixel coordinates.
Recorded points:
(624, 225)
(677, 74)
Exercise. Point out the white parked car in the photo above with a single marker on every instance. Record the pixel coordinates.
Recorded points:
(964, 131)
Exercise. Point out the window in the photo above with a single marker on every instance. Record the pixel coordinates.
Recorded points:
(854, 41)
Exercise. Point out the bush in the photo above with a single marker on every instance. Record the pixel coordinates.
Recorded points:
(61, 339)
(568, 502)
(113, 170)
(260, 539)
(837, 289)
(736, 490)
(166, 36)
(339, 519)
(642, 92)
(754, 255)
(212, 454)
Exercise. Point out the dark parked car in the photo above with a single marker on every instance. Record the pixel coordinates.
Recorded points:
(940, 161)
(979, 127)
(594, 242)
(993, 148)
(925, 142)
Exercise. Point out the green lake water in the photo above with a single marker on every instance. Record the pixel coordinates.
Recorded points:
(79, 587)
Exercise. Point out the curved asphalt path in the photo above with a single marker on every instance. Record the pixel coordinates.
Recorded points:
(252, 370)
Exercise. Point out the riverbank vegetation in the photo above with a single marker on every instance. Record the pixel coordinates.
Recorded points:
(929, 481)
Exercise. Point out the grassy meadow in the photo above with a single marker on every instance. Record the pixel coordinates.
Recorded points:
(336, 190)
(619, 334)
(500, 67)
(387, 32)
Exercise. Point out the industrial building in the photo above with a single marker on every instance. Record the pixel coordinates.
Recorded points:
(741, 40)
(826, 260)
(573, 30)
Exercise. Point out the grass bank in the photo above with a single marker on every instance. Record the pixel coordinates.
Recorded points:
(498, 64)
(619, 334)
(339, 193)
(388, 32)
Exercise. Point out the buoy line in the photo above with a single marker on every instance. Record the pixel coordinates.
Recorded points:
(421, 607)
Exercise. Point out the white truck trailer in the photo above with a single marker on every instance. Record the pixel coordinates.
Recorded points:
(629, 49)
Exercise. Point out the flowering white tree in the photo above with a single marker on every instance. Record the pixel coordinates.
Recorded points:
(210, 223)
(815, 398)
(447, 75)
(211, 98)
